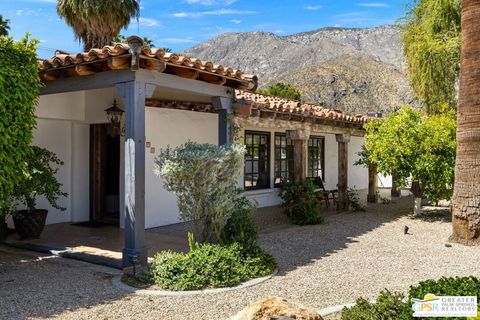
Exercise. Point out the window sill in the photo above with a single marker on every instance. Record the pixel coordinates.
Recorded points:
(260, 192)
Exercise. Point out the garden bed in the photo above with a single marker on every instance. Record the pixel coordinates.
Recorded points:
(133, 285)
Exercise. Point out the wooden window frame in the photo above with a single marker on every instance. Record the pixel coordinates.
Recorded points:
(267, 185)
(287, 172)
(313, 143)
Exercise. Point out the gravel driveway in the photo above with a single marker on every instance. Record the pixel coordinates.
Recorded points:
(352, 254)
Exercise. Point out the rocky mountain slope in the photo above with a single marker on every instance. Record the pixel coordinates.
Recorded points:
(355, 70)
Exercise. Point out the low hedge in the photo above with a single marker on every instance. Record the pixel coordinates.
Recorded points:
(392, 305)
(208, 266)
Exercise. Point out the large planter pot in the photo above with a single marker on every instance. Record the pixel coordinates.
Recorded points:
(3, 229)
(30, 224)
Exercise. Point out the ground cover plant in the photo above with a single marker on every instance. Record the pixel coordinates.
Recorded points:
(208, 265)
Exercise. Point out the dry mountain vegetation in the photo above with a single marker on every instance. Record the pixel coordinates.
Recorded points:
(355, 70)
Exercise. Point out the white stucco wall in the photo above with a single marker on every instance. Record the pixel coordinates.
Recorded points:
(64, 127)
(171, 127)
(357, 175)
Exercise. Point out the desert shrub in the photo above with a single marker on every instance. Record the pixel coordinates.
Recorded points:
(389, 306)
(300, 202)
(203, 177)
(207, 265)
(240, 227)
(19, 91)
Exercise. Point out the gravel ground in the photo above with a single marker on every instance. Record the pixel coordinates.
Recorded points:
(351, 255)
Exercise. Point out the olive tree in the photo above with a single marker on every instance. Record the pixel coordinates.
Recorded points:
(416, 147)
(203, 177)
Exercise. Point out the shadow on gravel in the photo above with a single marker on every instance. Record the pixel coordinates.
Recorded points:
(435, 214)
(296, 246)
(45, 287)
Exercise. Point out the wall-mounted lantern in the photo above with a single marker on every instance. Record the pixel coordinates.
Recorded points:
(114, 116)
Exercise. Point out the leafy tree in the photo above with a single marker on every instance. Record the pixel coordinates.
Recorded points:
(4, 26)
(431, 44)
(203, 177)
(97, 22)
(283, 90)
(19, 91)
(415, 146)
(121, 39)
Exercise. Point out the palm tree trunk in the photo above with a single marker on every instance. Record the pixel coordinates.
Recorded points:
(466, 197)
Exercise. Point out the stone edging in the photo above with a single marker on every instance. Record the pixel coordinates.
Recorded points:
(117, 282)
(334, 309)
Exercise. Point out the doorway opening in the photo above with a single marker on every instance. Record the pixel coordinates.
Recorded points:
(104, 175)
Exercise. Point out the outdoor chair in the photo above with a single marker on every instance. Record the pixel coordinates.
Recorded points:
(324, 194)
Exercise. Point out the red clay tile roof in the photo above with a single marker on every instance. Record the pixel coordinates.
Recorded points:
(119, 57)
(292, 107)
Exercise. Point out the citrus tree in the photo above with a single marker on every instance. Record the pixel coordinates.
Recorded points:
(418, 148)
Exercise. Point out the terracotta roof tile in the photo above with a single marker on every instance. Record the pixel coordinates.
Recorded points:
(277, 104)
(61, 64)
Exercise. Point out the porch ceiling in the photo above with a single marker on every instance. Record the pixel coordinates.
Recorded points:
(135, 55)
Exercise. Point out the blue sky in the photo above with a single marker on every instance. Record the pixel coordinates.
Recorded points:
(180, 24)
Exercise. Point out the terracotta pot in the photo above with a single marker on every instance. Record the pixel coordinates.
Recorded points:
(30, 224)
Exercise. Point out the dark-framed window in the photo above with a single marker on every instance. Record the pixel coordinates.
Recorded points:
(283, 169)
(257, 160)
(316, 157)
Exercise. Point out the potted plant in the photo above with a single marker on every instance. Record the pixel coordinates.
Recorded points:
(39, 179)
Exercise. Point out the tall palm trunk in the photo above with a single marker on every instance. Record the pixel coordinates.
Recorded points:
(466, 197)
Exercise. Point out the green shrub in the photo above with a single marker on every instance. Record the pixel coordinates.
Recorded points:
(453, 286)
(19, 91)
(240, 226)
(207, 265)
(392, 306)
(301, 204)
(389, 306)
(353, 201)
(39, 179)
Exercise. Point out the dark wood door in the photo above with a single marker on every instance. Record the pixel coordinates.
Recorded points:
(98, 162)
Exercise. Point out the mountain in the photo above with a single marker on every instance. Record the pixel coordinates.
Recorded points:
(354, 70)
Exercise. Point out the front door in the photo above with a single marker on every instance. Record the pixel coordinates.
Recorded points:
(104, 175)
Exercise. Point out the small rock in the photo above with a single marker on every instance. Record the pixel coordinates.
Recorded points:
(448, 245)
(272, 307)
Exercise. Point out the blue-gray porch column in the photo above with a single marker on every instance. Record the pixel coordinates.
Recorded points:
(224, 105)
(135, 251)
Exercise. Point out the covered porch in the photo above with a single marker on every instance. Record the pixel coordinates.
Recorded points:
(146, 83)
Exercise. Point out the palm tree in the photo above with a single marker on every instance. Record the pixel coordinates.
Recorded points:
(466, 196)
(97, 22)
(4, 26)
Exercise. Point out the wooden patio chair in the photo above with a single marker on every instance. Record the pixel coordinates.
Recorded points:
(324, 194)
